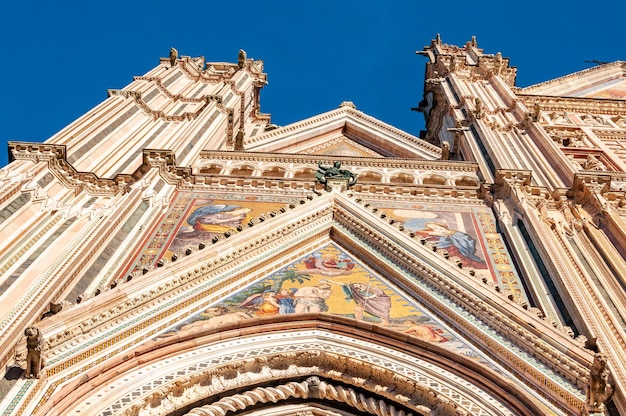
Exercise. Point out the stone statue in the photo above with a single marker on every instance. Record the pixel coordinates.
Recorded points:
(239, 140)
(478, 107)
(536, 112)
(498, 64)
(598, 388)
(34, 356)
(445, 151)
(241, 59)
(334, 172)
(173, 57)
(592, 163)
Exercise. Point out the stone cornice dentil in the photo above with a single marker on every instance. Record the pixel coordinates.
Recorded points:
(160, 115)
(56, 157)
(574, 105)
(469, 168)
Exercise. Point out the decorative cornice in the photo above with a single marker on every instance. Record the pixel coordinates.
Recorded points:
(574, 105)
(160, 115)
(56, 157)
(364, 162)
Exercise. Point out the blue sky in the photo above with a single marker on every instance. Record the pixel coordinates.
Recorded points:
(61, 57)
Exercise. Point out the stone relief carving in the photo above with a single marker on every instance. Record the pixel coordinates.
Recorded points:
(593, 163)
(391, 389)
(559, 118)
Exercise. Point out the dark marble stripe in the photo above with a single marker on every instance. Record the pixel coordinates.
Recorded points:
(35, 255)
(13, 207)
(171, 79)
(180, 109)
(107, 254)
(45, 180)
(197, 136)
(101, 135)
(146, 98)
(137, 153)
(159, 185)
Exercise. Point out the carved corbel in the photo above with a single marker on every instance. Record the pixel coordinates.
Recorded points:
(509, 182)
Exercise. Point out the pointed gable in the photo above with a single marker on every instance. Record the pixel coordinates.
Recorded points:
(606, 81)
(345, 131)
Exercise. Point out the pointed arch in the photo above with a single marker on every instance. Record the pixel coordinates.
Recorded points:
(328, 358)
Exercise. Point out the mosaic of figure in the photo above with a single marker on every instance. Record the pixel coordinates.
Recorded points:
(424, 332)
(329, 264)
(458, 243)
(207, 221)
(367, 298)
(197, 218)
(328, 280)
(312, 298)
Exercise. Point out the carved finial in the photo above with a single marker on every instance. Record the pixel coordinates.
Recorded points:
(473, 41)
(173, 57)
(241, 59)
(598, 387)
(438, 39)
(349, 104)
(34, 355)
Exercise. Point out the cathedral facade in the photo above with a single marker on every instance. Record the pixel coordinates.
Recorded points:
(173, 252)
